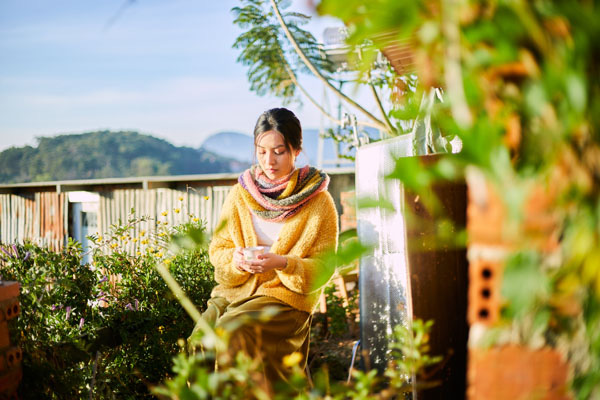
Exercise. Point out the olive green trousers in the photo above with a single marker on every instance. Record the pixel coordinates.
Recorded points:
(262, 327)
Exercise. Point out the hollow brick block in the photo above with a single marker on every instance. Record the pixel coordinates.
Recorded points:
(9, 309)
(485, 279)
(10, 358)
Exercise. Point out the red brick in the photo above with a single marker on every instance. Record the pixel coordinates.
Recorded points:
(9, 289)
(4, 335)
(517, 373)
(9, 382)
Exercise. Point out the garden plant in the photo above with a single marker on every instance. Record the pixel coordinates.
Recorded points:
(108, 329)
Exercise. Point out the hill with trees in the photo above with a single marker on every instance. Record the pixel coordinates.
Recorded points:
(106, 154)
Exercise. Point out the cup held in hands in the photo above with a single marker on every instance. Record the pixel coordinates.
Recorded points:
(252, 253)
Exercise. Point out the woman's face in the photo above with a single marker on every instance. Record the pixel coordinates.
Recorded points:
(274, 158)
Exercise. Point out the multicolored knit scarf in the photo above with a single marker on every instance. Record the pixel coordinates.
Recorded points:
(276, 200)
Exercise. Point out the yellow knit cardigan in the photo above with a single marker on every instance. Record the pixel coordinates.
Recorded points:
(303, 237)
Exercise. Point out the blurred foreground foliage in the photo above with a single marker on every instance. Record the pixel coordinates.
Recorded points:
(238, 376)
(521, 83)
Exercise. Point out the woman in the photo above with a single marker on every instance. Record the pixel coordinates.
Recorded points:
(289, 212)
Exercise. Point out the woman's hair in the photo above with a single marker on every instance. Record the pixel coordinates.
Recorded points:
(283, 121)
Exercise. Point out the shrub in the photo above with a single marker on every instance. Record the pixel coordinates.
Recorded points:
(110, 327)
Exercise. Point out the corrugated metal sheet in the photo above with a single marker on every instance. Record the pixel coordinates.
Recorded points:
(39, 217)
(37, 213)
(204, 203)
(43, 217)
(179, 206)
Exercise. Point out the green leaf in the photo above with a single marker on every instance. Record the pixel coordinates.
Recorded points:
(535, 99)
(348, 251)
(524, 284)
(576, 91)
(347, 234)
(445, 169)
(541, 320)
(369, 202)
(409, 171)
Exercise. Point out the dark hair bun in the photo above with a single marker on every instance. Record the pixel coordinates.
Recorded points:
(283, 121)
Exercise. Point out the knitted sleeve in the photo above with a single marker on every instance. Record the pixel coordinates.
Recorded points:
(222, 246)
(320, 235)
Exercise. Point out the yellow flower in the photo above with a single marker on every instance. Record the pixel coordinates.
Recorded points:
(196, 220)
(145, 241)
(123, 237)
(159, 255)
(161, 234)
(205, 197)
(143, 233)
(125, 242)
(177, 210)
(292, 359)
(151, 250)
(167, 261)
(220, 331)
(161, 329)
(139, 253)
(99, 238)
(164, 213)
(135, 240)
(180, 198)
(114, 245)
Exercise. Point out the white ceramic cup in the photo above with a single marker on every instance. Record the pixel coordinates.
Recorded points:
(251, 253)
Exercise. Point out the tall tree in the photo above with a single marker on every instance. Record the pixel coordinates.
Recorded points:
(277, 50)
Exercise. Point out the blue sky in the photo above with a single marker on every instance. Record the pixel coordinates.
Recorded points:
(164, 67)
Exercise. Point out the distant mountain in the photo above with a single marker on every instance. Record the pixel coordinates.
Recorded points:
(106, 154)
(240, 146)
(235, 145)
(310, 143)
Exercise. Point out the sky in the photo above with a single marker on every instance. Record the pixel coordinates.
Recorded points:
(160, 67)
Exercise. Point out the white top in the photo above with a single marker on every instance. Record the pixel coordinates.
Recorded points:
(267, 232)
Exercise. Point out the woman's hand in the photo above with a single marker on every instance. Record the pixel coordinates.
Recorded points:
(238, 260)
(265, 263)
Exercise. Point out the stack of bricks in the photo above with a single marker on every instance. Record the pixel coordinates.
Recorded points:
(489, 244)
(490, 241)
(348, 221)
(10, 355)
(348, 217)
(487, 249)
(348, 275)
(346, 280)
